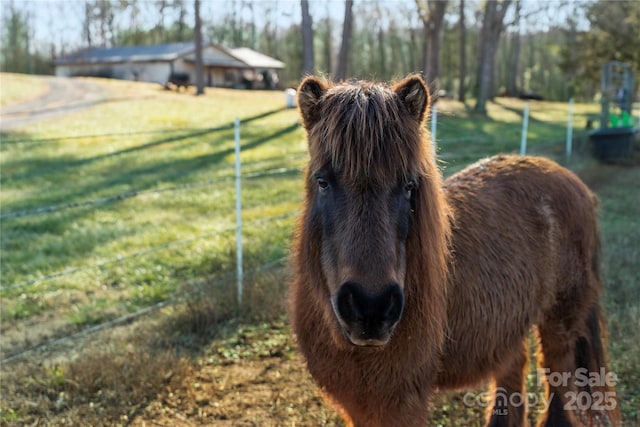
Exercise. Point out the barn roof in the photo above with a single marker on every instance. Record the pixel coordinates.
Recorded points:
(157, 52)
(255, 59)
(218, 56)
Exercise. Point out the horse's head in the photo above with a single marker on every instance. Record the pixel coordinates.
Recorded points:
(365, 169)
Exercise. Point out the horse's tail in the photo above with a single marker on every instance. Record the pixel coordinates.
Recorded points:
(590, 347)
(602, 406)
(590, 359)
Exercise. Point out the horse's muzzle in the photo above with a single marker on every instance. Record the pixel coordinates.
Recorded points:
(368, 318)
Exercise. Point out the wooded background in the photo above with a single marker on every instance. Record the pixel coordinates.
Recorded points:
(467, 48)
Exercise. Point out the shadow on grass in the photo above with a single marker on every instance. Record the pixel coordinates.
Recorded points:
(188, 135)
(128, 174)
(58, 233)
(168, 170)
(36, 167)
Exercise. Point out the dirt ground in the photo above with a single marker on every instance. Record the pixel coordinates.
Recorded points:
(269, 392)
(249, 375)
(257, 378)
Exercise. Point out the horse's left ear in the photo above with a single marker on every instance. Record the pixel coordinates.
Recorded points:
(310, 93)
(413, 93)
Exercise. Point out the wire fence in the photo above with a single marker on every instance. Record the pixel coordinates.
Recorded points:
(136, 193)
(103, 202)
(119, 259)
(53, 343)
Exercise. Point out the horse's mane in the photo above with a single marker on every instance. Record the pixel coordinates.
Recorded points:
(364, 135)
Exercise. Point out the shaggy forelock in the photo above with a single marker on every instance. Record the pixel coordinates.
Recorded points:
(365, 134)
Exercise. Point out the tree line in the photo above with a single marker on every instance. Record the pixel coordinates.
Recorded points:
(465, 48)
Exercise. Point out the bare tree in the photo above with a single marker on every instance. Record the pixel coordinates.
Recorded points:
(327, 46)
(252, 24)
(182, 16)
(86, 24)
(347, 28)
(162, 5)
(197, 35)
(513, 73)
(98, 23)
(106, 16)
(408, 15)
(307, 39)
(432, 15)
(268, 36)
(492, 28)
(377, 41)
(463, 55)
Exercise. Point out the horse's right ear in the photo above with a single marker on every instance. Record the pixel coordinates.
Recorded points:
(310, 92)
(414, 94)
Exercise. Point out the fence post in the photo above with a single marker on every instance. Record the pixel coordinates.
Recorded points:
(525, 127)
(238, 212)
(434, 128)
(569, 130)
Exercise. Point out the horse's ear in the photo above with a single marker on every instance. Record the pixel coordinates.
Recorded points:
(413, 93)
(309, 94)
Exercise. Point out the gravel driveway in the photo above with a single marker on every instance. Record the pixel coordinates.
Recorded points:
(63, 96)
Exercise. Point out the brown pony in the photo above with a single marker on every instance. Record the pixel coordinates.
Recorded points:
(405, 285)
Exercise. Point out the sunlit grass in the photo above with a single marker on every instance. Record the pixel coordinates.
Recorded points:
(142, 139)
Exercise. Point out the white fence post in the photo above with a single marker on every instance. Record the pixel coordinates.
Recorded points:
(569, 130)
(238, 212)
(525, 127)
(434, 128)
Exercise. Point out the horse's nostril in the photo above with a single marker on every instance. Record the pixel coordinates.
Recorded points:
(347, 307)
(396, 303)
(355, 304)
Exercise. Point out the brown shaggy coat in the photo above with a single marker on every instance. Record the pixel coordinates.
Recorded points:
(507, 244)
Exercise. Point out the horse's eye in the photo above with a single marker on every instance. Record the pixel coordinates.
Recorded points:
(323, 184)
(409, 187)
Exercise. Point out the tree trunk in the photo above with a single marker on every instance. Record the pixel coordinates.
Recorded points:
(328, 51)
(514, 58)
(197, 35)
(347, 28)
(492, 27)
(86, 24)
(307, 39)
(382, 64)
(413, 46)
(462, 72)
(425, 49)
(437, 19)
(432, 15)
(182, 15)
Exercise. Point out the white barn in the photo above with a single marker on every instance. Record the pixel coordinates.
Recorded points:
(223, 67)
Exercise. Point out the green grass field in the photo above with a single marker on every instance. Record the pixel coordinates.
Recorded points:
(149, 145)
(130, 203)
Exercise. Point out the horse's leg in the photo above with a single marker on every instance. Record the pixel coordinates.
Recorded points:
(509, 405)
(573, 352)
(573, 359)
(558, 362)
